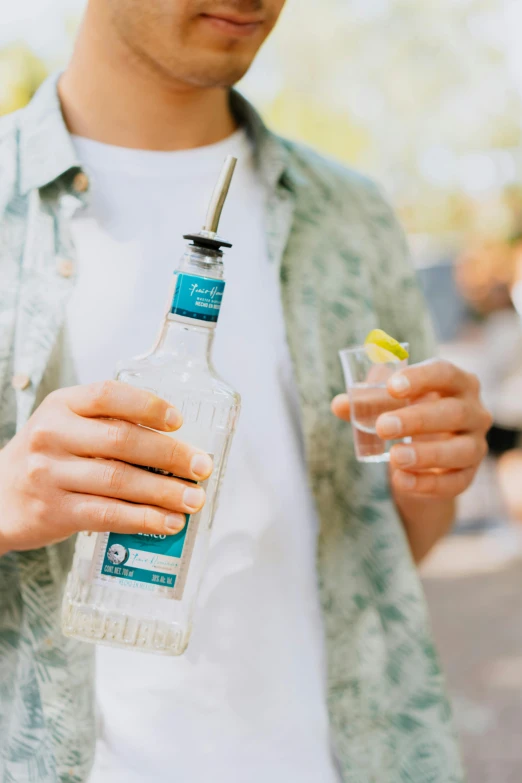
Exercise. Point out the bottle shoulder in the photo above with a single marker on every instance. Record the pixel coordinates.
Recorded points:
(169, 378)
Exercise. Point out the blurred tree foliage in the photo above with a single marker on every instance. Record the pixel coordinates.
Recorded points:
(407, 90)
(321, 126)
(21, 73)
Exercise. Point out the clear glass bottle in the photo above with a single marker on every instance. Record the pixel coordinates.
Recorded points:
(139, 591)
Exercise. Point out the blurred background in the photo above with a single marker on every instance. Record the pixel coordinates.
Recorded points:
(427, 98)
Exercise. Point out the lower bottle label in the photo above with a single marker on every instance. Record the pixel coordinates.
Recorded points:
(144, 558)
(147, 561)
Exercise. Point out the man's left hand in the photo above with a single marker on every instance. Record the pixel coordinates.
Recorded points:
(447, 423)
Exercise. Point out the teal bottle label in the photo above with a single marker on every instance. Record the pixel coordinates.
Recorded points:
(145, 558)
(197, 297)
(146, 561)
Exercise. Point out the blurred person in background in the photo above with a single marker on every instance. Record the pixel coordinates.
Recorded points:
(489, 276)
(506, 436)
(100, 175)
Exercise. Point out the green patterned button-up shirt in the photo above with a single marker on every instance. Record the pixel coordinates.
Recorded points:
(344, 270)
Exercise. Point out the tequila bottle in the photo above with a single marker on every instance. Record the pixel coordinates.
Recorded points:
(139, 591)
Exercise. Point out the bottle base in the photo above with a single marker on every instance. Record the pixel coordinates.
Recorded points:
(88, 624)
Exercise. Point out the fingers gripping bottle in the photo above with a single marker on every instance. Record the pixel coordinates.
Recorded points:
(139, 591)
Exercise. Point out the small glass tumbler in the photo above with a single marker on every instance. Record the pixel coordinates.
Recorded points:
(369, 399)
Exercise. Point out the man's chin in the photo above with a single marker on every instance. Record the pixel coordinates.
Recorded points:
(213, 76)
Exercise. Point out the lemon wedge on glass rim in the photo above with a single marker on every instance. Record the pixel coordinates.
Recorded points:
(381, 348)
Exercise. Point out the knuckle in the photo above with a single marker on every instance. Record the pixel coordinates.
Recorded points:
(39, 512)
(55, 397)
(115, 476)
(428, 484)
(100, 394)
(445, 487)
(438, 455)
(38, 468)
(456, 412)
(80, 512)
(62, 505)
(412, 420)
(151, 406)
(446, 371)
(426, 454)
(39, 437)
(109, 516)
(150, 520)
(169, 493)
(119, 434)
(455, 483)
(174, 451)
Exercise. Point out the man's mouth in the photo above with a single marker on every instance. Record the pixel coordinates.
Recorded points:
(235, 25)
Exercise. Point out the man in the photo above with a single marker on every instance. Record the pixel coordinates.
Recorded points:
(101, 174)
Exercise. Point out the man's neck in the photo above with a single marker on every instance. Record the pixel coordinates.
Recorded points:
(110, 95)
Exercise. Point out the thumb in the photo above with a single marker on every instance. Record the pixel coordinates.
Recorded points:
(341, 407)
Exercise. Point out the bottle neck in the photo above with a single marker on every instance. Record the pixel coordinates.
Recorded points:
(190, 345)
(188, 330)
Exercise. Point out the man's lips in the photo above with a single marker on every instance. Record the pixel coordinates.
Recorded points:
(229, 24)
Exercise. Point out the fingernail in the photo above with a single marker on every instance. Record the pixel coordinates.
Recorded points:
(201, 465)
(173, 419)
(399, 383)
(175, 522)
(408, 481)
(404, 456)
(193, 497)
(389, 426)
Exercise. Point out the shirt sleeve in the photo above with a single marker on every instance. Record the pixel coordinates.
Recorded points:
(398, 299)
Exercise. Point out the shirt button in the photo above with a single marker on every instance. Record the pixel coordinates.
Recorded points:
(80, 182)
(65, 267)
(20, 381)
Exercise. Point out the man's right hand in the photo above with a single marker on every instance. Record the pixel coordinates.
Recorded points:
(70, 468)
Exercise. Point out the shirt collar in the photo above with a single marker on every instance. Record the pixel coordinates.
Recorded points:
(47, 152)
(46, 149)
(271, 153)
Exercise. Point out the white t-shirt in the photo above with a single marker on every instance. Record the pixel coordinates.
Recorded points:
(246, 702)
